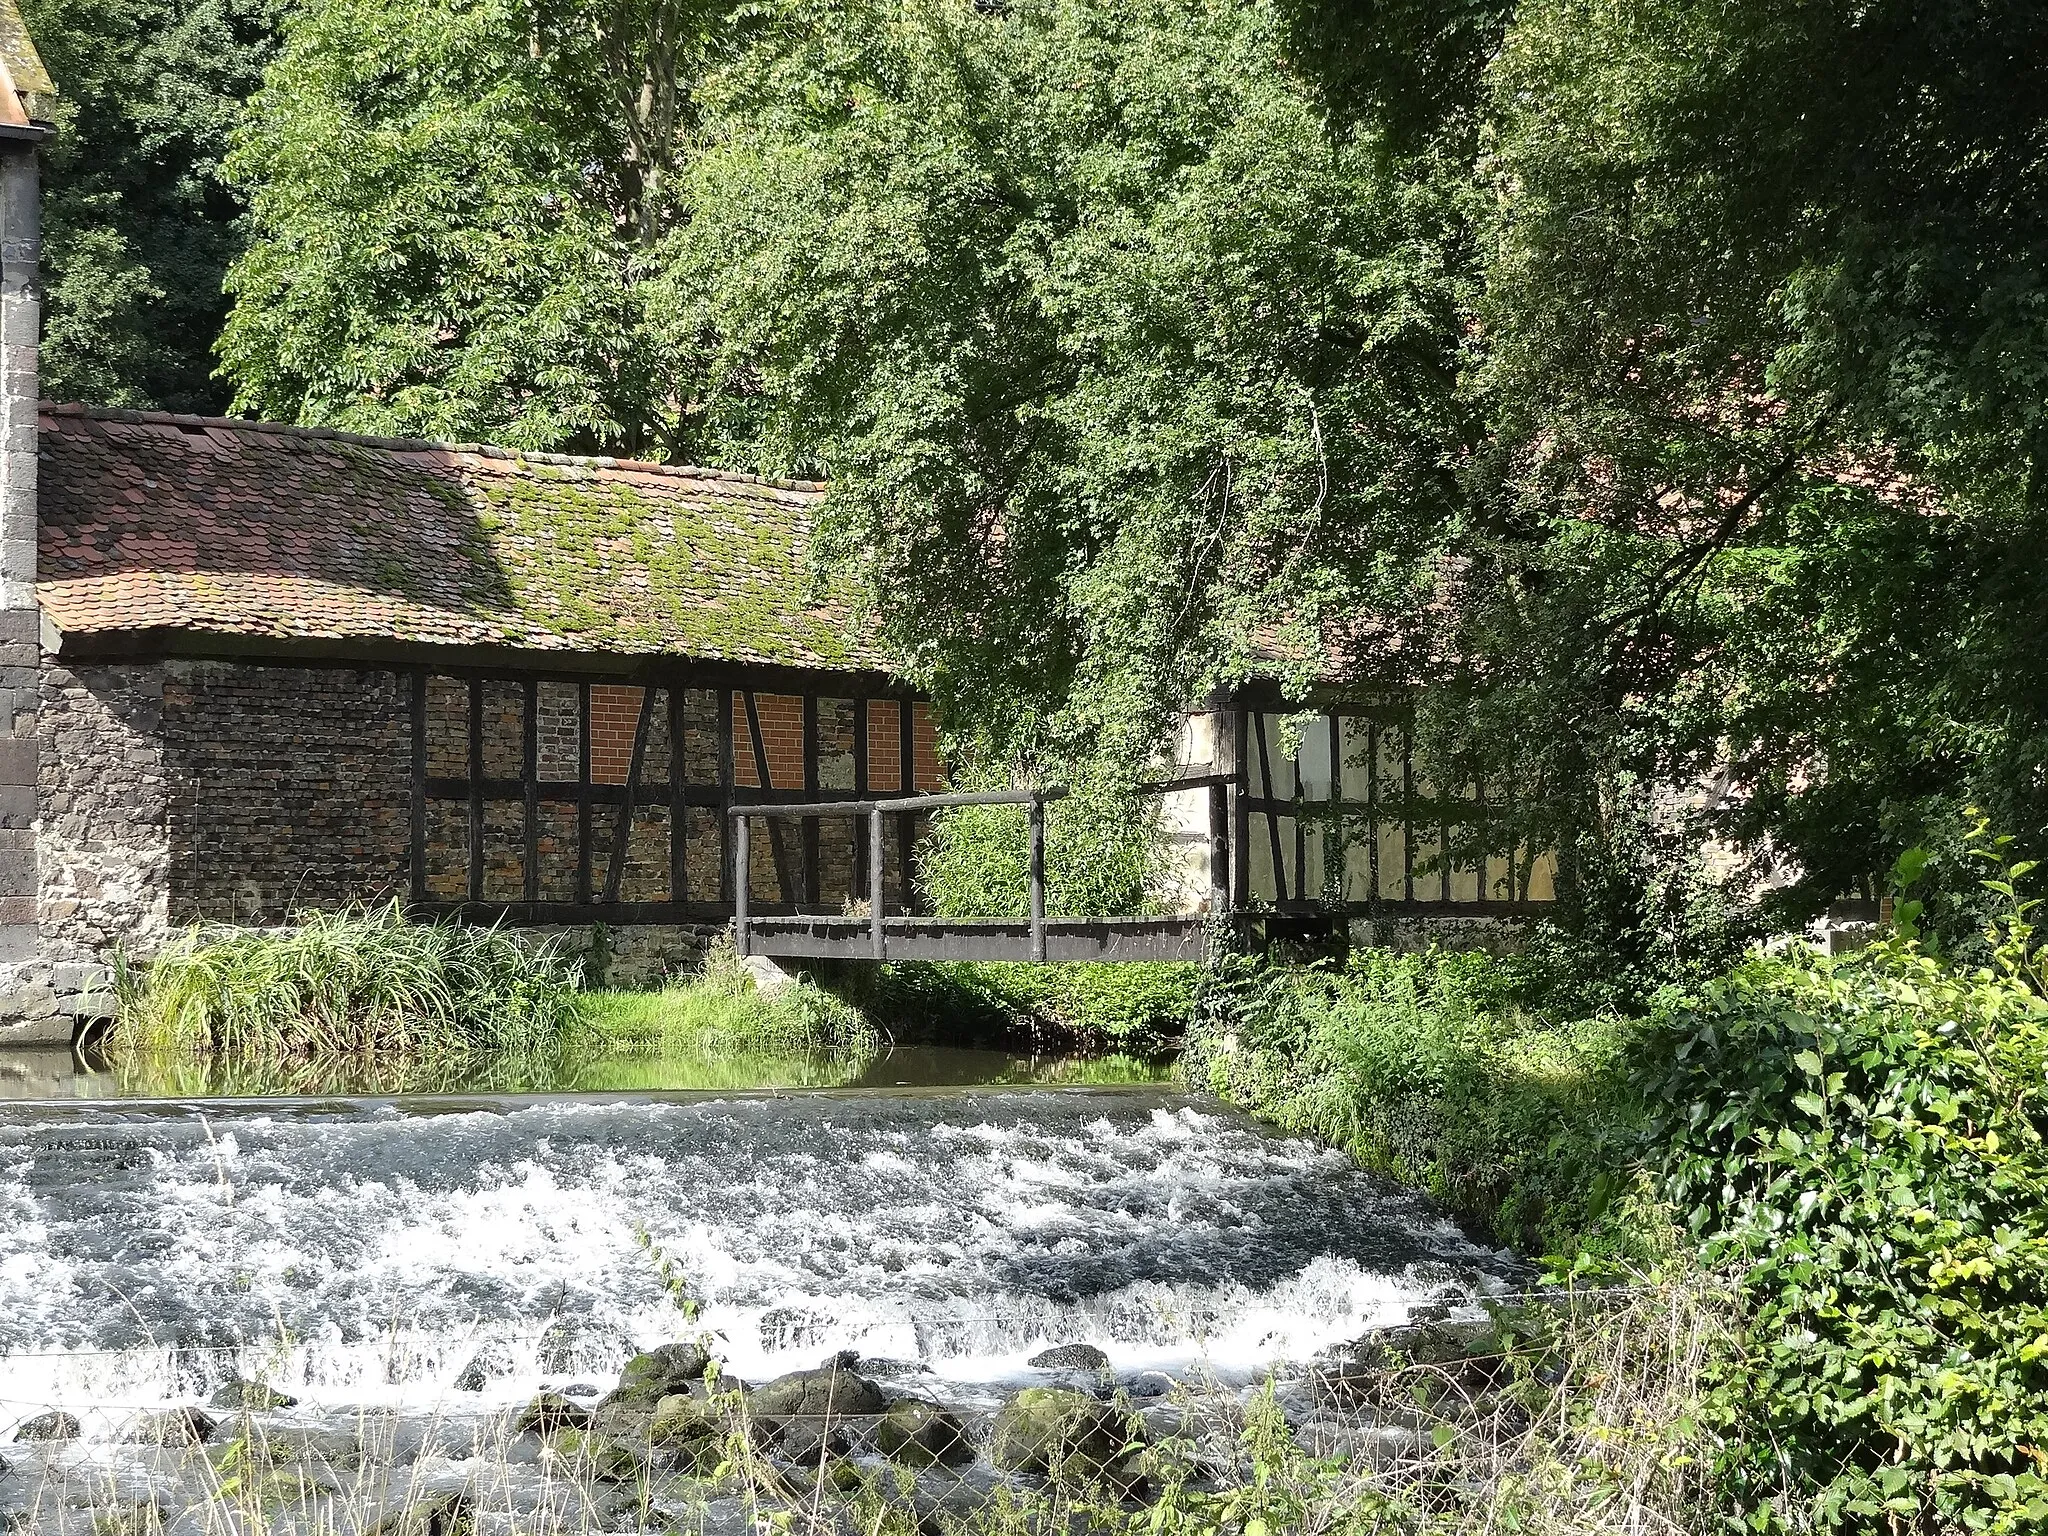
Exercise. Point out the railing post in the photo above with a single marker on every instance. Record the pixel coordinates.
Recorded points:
(1038, 877)
(742, 878)
(875, 928)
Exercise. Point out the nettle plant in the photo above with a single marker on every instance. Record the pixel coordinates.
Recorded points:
(1861, 1140)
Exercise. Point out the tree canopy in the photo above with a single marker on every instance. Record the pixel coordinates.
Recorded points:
(1654, 386)
(138, 223)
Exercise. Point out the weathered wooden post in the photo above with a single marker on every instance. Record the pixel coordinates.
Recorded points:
(875, 929)
(742, 878)
(1037, 875)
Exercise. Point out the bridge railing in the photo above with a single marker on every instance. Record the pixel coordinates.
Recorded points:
(877, 811)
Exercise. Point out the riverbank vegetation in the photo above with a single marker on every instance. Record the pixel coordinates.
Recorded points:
(1855, 1144)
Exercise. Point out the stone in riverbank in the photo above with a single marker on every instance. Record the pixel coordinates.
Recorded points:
(599, 1457)
(1070, 1357)
(832, 1391)
(921, 1434)
(174, 1426)
(48, 1426)
(660, 1373)
(438, 1514)
(1046, 1430)
(255, 1395)
(1466, 1356)
(548, 1412)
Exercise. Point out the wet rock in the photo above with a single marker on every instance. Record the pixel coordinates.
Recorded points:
(595, 1456)
(548, 1412)
(237, 1393)
(1381, 1370)
(175, 1426)
(1150, 1384)
(484, 1367)
(1049, 1430)
(48, 1426)
(4, 1469)
(681, 1418)
(831, 1391)
(632, 1421)
(809, 1441)
(580, 1389)
(437, 1514)
(921, 1434)
(1070, 1357)
(658, 1373)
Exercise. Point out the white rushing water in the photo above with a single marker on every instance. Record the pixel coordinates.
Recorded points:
(368, 1254)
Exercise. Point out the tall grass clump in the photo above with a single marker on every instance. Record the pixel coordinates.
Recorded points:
(719, 1009)
(356, 983)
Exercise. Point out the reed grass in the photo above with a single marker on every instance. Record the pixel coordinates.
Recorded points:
(366, 982)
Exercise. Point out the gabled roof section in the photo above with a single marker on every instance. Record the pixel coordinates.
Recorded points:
(152, 522)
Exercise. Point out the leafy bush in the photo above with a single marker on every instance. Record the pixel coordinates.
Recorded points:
(719, 1009)
(1861, 1141)
(1103, 857)
(338, 984)
(1424, 1067)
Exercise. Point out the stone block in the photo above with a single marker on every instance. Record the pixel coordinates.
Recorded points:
(19, 759)
(28, 999)
(20, 626)
(19, 943)
(94, 1005)
(73, 977)
(54, 1029)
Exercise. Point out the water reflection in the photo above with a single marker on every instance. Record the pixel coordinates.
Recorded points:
(42, 1073)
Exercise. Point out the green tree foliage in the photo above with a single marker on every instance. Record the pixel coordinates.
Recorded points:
(1122, 366)
(1658, 384)
(457, 208)
(1764, 332)
(138, 223)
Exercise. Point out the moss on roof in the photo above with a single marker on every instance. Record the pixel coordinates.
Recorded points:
(153, 522)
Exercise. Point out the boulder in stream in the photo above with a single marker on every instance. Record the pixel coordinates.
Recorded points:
(256, 1395)
(595, 1456)
(48, 1426)
(832, 1391)
(921, 1434)
(658, 1373)
(484, 1367)
(174, 1426)
(1049, 1430)
(548, 1412)
(1070, 1357)
(435, 1514)
(682, 1419)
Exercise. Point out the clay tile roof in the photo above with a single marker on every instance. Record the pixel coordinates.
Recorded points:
(152, 521)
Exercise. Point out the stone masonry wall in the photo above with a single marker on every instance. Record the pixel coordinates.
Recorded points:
(104, 849)
(289, 787)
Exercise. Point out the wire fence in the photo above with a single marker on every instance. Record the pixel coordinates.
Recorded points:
(1576, 1412)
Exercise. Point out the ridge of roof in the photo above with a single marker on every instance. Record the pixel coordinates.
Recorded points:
(421, 445)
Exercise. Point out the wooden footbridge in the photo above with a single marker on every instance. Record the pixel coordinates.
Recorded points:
(877, 934)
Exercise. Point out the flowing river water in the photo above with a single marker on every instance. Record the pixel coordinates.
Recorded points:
(453, 1255)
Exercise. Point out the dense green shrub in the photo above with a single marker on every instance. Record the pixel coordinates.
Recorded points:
(352, 983)
(1103, 857)
(1860, 1140)
(1424, 1067)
